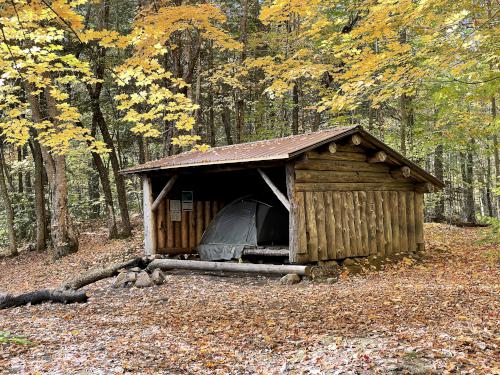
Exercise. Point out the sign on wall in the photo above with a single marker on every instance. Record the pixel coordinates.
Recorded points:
(187, 201)
(175, 210)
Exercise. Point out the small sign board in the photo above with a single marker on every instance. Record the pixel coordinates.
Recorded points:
(175, 210)
(187, 201)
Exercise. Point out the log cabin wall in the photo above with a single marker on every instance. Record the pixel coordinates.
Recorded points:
(182, 237)
(345, 206)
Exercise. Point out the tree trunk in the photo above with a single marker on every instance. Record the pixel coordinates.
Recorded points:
(406, 120)
(496, 157)
(438, 172)
(295, 109)
(468, 179)
(9, 211)
(226, 121)
(40, 213)
(94, 194)
(240, 96)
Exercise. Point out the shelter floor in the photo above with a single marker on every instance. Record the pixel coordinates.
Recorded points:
(441, 314)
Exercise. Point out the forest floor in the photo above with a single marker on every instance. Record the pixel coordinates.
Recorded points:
(438, 315)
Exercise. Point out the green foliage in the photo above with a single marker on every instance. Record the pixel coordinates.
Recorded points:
(8, 338)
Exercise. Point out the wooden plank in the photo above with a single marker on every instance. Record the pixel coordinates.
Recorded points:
(346, 232)
(419, 221)
(334, 165)
(319, 208)
(208, 214)
(350, 148)
(274, 189)
(353, 186)
(303, 175)
(215, 208)
(403, 236)
(387, 222)
(184, 229)
(192, 228)
(353, 234)
(410, 209)
(301, 223)
(339, 235)
(170, 226)
(292, 214)
(372, 222)
(358, 224)
(149, 219)
(379, 209)
(200, 219)
(330, 225)
(352, 156)
(364, 222)
(396, 240)
(177, 235)
(312, 240)
(161, 226)
(163, 193)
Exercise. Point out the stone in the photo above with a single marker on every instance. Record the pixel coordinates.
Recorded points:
(135, 269)
(332, 280)
(131, 277)
(158, 277)
(348, 262)
(120, 280)
(289, 279)
(143, 280)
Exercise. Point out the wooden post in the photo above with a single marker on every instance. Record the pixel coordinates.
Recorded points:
(292, 230)
(170, 227)
(275, 190)
(161, 227)
(378, 157)
(149, 225)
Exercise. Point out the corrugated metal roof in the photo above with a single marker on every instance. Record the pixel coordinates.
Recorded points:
(273, 149)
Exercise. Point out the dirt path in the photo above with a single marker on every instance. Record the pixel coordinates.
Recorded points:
(437, 316)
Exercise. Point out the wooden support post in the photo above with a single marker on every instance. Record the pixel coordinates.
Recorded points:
(275, 190)
(292, 230)
(378, 157)
(149, 225)
(164, 192)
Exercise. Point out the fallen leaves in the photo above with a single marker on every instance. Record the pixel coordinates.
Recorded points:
(439, 315)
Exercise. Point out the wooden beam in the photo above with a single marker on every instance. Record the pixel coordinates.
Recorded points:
(169, 185)
(267, 252)
(378, 157)
(355, 140)
(169, 264)
(149, 222)
(275, 190)
(404, 171)
(332, 147)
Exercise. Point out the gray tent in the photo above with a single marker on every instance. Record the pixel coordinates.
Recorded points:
(243, 223)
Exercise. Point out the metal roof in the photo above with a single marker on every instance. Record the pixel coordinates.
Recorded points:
(273, 149)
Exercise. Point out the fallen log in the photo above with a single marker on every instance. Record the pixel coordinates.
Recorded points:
(267, 252)
(44, 295)
(103, 273)
(168, 264)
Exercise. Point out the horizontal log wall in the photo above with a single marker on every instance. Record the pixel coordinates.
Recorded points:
(182, 237)
(350, 208)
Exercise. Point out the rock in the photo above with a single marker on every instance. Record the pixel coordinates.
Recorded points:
(158, 277)
(289, 279)
(120, 280)
(348, 262)
(143, 280)
(131, 277)
(135, 269)
(332, 280)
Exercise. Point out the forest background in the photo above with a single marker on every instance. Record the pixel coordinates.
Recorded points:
(90, 87)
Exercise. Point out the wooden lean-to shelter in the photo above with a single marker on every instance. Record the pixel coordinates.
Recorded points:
(337, 193)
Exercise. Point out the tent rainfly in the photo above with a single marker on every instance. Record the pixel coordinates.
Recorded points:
(320, 196)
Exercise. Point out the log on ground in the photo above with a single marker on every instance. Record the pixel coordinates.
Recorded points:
(169, 264)
(44, 295)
